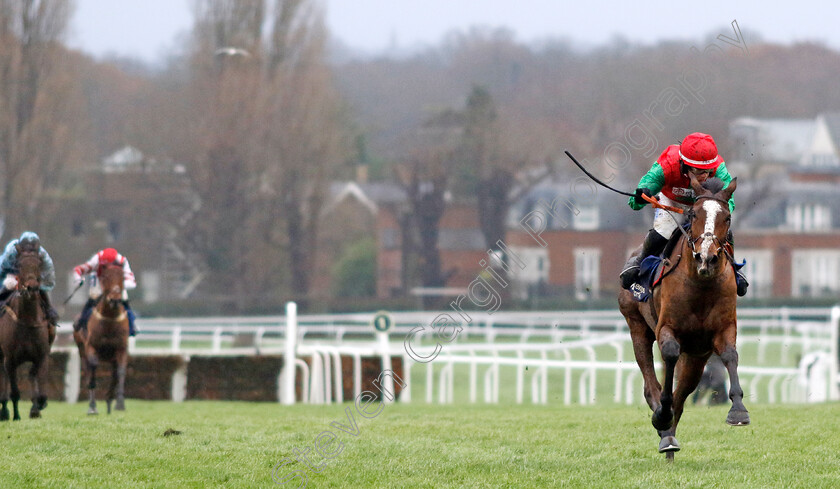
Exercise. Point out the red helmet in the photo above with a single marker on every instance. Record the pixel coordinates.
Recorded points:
(108, 255)
(699, 150)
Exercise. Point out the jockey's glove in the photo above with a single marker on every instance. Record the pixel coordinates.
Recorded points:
(10, 282)
(642, 191)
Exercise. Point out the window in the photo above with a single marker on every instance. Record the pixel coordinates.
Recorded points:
(808, 217)
(535, 274)
(390, 238)
(114, 231)
(586, 219)
(815, 273)
(150, 282)
(587, 273)
(758, 270)
(77, 228)
(824, 160)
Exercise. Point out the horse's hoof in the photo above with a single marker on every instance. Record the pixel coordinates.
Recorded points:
(668, 444)
(120, 406)
(4, 416)
(34, 414)
(92, 411)
(662, 421)
(738, 418)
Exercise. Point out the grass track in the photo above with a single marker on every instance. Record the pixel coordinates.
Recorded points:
(235, 445)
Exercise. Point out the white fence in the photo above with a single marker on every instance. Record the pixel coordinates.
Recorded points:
(787, 354)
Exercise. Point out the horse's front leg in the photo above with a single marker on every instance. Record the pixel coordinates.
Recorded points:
(4, 395)
(643, 339)
(725, 347)
(690, 371)
(670, 349)
(11, 371)
(112, 389)
(92, 363)
(38, 379)
(122, 365)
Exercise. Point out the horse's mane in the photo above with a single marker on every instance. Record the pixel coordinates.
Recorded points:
(713, 185)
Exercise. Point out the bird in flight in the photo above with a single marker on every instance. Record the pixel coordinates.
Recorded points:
(231, 51)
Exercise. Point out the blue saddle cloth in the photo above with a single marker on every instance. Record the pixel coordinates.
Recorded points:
(648, 272)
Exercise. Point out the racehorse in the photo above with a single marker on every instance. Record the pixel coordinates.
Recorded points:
(25, 336)
(690, 314)
(106, 338)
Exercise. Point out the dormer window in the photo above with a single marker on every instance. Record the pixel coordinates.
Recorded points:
(808, 217)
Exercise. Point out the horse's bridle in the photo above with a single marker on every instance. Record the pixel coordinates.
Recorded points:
(715, 239)
(21, 288)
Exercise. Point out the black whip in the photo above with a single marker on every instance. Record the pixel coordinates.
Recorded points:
(596, 179)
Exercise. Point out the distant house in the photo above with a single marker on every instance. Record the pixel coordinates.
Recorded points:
(788, 220)
(347, 218)
(824, 150)
(766, 146)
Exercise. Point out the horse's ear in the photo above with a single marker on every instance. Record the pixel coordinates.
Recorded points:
(728, 191)
(696, 186)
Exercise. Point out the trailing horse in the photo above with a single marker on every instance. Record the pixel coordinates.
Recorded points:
(25, 336)
(691, 314)
(106, 338)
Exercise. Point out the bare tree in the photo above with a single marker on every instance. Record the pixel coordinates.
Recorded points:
(39, 107)
(301, 131)
(271, 135)
(490, 169)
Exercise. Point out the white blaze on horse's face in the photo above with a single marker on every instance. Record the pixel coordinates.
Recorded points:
(712, 209)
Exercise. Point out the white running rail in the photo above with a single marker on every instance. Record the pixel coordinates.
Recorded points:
(571, 356)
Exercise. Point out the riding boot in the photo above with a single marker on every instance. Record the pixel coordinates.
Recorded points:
(81, 322)
(654, 244)
(4, 295)
(49, 310)
(740, 278)
(132, 331)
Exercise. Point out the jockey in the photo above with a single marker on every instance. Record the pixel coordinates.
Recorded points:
(108, 256)
(697, 154)
(9, 270)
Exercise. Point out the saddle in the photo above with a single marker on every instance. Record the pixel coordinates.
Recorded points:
(654, 268)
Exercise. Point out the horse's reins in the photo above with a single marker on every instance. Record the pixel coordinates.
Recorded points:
(7, 309)
(722, 246)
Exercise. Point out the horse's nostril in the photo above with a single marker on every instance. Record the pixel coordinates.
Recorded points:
(697, 256)
(713, 260)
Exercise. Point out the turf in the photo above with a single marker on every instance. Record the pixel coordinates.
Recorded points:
(236, 445)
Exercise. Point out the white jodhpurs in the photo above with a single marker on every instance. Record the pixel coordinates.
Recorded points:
(664, 222)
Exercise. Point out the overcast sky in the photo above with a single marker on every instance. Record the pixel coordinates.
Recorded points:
(149, 28)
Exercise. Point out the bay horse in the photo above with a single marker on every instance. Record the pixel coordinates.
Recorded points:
(690, 314)
(25, 336)
(106, 338)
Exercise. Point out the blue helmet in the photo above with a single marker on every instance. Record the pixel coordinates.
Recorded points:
(29, 241)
